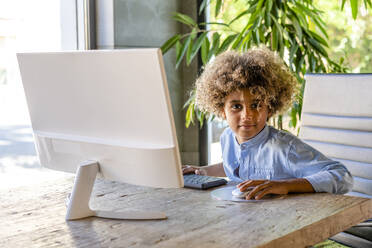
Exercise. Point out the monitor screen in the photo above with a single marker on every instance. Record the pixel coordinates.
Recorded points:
(108, 106)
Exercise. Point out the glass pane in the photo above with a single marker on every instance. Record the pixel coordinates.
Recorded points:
(24, 26)
(217, 126)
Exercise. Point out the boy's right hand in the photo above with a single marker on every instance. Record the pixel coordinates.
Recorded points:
(187, 169)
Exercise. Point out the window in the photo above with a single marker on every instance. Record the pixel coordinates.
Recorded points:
(37, 25)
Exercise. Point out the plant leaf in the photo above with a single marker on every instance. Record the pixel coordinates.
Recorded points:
(218, 7)
(262, 36)
(239, 38)
(190, 100)
(226, 43)
(246, 12)
(184, 19)
(343, 4)
(215, 45)
(190, 46)
(190, 115)
(170, 43)
(318, 46)
(367, 3)
(205, 50)
(321, 27)
(244, 44)
(274, 39)
(259, 5)
(292, 53)
(354, 8)
(202, 6)
(188, 52)
(308, 11)
(201, 118)
(178, 47)
(297, 27)
(279, 28)
(197, 44)
(214, 23)
(299, 65)
(268, 6)
(294, 116)
(182, 51)
(319, 38)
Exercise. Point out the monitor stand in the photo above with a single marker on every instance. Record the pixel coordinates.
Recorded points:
(78, 201)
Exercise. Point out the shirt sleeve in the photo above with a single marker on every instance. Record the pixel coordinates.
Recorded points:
(324, 174)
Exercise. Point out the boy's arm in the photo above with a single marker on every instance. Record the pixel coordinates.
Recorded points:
(215, 170)
(324, 174)
(282, 187)
(299, 185)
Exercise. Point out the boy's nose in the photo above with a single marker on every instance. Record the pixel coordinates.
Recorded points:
(247, 114)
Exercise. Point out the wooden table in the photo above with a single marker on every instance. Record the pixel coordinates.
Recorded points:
(34, 216)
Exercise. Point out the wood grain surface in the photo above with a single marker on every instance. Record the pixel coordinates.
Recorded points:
(34, 216)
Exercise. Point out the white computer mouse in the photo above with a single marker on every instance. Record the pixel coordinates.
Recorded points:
(237, 193)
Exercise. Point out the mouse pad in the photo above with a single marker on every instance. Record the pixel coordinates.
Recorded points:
(225, 194)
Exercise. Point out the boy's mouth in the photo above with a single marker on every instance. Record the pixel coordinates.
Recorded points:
(246, 126)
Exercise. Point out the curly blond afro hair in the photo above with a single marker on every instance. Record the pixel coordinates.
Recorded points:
(260, 70)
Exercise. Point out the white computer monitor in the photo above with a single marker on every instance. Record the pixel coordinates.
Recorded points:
(105, 112)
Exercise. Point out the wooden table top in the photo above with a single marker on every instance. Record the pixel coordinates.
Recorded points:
(34, 216)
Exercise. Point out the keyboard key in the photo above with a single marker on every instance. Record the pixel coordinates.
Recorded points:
(202, 182)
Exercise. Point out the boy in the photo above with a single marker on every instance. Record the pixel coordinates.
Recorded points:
(246, 90)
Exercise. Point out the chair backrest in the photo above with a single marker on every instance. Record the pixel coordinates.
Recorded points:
(337, 121)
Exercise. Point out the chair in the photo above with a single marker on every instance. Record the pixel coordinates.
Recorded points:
(337, 121)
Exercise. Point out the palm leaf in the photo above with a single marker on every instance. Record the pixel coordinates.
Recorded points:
(170, 43)
(184, 19)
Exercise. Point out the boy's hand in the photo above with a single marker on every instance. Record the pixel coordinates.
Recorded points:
(265, 187)
(187, 169)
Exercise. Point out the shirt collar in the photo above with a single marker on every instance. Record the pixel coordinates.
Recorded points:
(258, 139)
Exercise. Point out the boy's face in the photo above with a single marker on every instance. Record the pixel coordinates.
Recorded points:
(245, 115)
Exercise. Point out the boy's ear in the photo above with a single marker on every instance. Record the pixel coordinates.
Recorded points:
(223, 114)
(269, 114)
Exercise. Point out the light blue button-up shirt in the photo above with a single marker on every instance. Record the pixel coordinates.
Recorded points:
(278, 155)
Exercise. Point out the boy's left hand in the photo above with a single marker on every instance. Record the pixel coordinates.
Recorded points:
(265, 187)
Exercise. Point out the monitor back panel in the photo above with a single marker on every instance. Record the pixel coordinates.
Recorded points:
(85, 104)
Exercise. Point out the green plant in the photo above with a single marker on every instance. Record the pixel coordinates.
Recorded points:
(292, 28)
(354, 6)
(348, 38)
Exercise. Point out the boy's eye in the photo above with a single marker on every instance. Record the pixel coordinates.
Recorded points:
(255, 105)
(236, 106)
